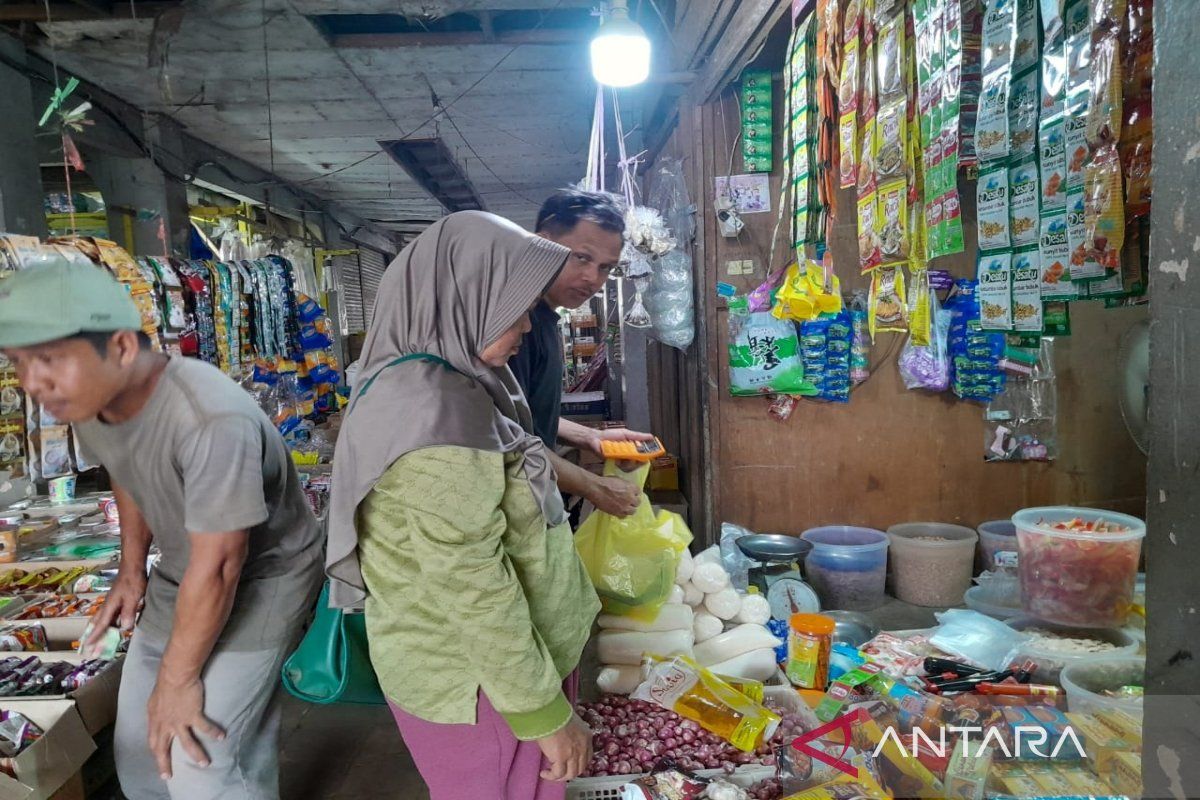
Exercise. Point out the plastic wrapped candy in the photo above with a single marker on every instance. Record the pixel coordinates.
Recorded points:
(928, 366)
(637, 316)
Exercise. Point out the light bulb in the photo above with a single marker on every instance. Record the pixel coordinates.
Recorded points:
(620, 51)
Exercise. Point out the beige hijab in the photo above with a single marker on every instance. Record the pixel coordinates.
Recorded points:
(453, 291)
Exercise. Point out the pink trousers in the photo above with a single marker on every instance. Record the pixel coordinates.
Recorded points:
(484, 761)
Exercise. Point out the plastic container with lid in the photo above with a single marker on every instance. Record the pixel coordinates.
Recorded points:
(995, 599)
(1086, 684)
(932, 562)
(1074, 576)
(998, 537)
(1051, 660)
(847, 566)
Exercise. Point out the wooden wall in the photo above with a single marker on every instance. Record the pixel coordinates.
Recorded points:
(890, 455)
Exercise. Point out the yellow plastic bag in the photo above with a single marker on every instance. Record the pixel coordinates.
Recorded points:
(632, 561)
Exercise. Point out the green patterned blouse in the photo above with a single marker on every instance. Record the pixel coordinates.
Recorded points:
(469, 590)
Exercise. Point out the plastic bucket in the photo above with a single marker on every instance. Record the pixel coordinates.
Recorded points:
(1086, 681)
(847, 566)
(998, 536)
(932, 562)
(1074, 577)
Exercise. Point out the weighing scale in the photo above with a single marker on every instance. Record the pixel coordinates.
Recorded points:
(777, 573)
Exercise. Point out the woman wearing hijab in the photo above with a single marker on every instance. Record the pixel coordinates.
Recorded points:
(446, 519)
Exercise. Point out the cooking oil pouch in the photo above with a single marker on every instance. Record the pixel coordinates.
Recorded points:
(632, 561)
(681, 685)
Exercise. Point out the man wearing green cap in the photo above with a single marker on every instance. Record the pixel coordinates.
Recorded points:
(198, 468)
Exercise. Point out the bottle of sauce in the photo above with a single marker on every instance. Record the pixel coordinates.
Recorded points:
(810, 638)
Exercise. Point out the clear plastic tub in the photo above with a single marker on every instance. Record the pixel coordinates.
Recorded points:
(1051, 660)
(932, 562)
(994, 601)
(998, 536)
(1076, 577)
(1086, 682)
(847, 566)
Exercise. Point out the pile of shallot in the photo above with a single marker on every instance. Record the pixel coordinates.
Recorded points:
(631, 736)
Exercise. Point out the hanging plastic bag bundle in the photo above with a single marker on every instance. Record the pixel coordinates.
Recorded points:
(632, 561)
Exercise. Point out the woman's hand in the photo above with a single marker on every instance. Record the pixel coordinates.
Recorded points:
(569, 750)
(615, 496)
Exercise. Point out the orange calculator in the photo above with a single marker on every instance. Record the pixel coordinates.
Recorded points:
(632, 451)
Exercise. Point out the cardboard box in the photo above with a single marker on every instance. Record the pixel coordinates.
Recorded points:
(967, 774)
(1100, 741)
(54, 760)
(1124, 774)
(664, 474)
(95, 701)
(1123, 724)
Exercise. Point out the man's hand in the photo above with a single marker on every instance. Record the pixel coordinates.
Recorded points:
(176, 712)
(614, 435)
(569, 751)
(121, 607)
(614, 496)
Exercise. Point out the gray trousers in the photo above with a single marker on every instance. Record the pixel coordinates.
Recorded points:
(241, 696)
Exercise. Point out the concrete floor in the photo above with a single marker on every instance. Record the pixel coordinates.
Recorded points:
(344, 752)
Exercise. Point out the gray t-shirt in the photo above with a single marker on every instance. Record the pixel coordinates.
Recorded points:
(202, 457)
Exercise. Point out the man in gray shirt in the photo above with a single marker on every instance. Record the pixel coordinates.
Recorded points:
(199, 469)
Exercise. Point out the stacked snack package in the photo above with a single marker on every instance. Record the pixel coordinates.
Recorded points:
(757, 116)
(802, 136)
(974, 353)
(828, 71)
(825, 345)
(12, 419)
(318, 370)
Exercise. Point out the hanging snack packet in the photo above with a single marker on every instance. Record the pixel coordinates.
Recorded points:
(891, 134)
(681, 685)
(1025, 45)
(887, 310)
(991, 194)
(1052, 152)
(893, 223)
(1105, 109)
(848, 90)
(991, 124)
(889, 50)
(1027, 290)
(1054, 81)
(995, 291)
(1104, 210)
(1023, 113)
(1084, 265)
(999, 35)
(1054, 253)
(869, 255)
(1023, 202)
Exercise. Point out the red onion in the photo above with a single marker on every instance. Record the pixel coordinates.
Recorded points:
(688, 737)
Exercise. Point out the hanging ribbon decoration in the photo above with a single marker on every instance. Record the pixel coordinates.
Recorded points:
(68, 121)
